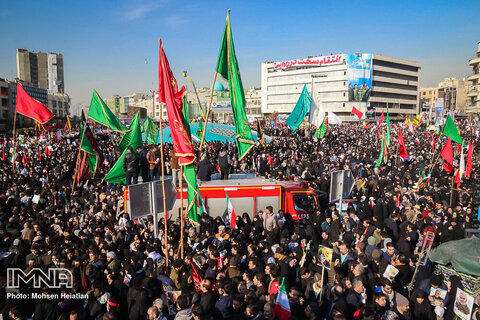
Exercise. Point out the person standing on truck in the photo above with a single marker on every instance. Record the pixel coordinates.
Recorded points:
(153, 161)
(205, 169)
(224, 162)
(143, 164)
(131, 166)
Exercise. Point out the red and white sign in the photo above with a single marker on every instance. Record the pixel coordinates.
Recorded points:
(310, 62)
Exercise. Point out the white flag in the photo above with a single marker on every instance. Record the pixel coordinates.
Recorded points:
(462, 164)
(316, 112)
(333, 118)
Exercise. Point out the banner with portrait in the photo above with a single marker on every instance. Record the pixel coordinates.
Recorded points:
(359, 73)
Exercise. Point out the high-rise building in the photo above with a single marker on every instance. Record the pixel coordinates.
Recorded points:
(339, 82)
(44, 71)
(41, 70)
(474, 93)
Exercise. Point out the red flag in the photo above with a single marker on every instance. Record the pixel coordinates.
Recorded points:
(468, 170)
(196, 277)
(84, 279)
(39, 156)
(24, 160)
(402, 150)
(382, 117)
(398, 200)
(65, 127)
(84, 170)
(4, 156)
(357, 112)
(447, 155)
(169, 94)
(47, 151)
(270, 160)
(433, 143)
(457, 178)
(30, 107)
(458, 147)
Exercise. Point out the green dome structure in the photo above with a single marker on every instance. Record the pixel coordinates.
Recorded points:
(218, 87)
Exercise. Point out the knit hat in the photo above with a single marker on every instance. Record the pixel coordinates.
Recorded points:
(401, 301)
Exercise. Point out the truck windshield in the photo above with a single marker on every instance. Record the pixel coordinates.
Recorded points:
(304, 202)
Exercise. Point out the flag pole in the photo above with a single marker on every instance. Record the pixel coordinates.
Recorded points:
(163, 182)
(75, 176)
(182, 223)
(451, 189)
(207, 114)
(185, 74)
(14, 140)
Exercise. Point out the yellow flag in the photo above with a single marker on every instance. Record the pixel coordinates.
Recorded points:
(68, 121)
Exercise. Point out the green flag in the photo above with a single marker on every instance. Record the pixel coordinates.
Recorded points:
(133, 137)
(450, 130)
(320, 132)
(227, 67)
(295, 118)
(200, 129)
(92, 163)
(151, 130)
(85, 143)
(93, 153)
(100, 112)
(117, 173)
(388, 128)
(382, 154)
(189, 173)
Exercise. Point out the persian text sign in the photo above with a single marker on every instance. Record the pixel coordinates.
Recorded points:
(310, 62)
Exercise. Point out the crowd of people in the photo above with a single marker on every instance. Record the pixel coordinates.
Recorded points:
(120, 265)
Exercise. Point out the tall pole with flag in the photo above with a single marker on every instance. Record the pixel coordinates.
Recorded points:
(29, 107)
(173, 98)
(227, 67)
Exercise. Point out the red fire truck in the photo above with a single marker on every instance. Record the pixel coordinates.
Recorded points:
(252, 195)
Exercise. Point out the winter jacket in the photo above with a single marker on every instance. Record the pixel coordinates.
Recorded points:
(131, 162)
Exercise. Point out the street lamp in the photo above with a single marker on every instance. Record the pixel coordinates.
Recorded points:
(185, 75)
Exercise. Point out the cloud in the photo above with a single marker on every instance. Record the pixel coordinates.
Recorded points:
(139, 8)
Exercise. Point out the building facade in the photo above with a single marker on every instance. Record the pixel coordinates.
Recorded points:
(44, 71)
(428, 97)
(341, 82)
(474, 93)
(253, 99)
(454, 91)
(5, 104)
